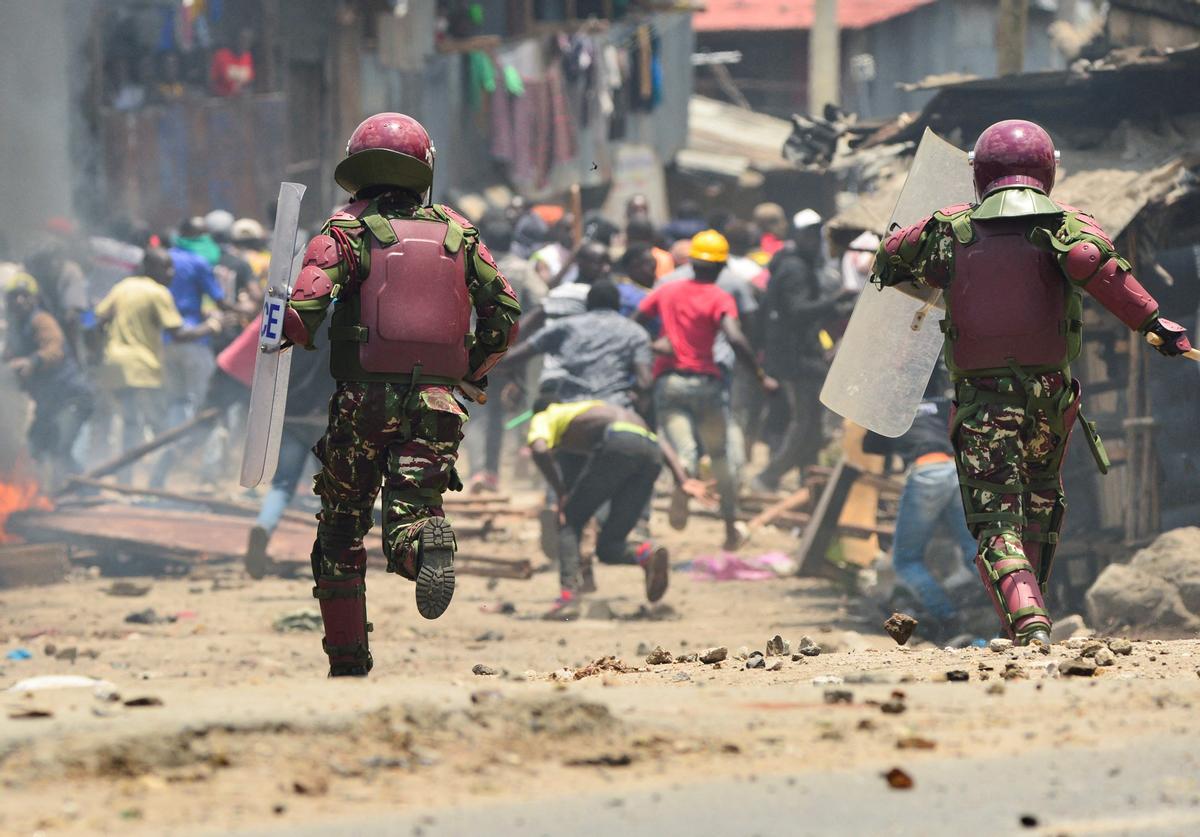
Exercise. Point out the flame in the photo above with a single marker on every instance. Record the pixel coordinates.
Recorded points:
(19, 493)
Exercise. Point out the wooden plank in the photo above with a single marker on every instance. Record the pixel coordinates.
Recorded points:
(794, 500)
(819, 534)
(861, 507)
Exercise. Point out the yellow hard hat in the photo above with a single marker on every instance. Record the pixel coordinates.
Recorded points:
(21, 282)
(709, 246)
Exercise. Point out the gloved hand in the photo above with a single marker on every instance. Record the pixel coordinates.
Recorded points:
(1170, 339)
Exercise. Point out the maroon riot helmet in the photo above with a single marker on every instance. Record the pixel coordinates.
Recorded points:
(388, 149)
(1014, 152)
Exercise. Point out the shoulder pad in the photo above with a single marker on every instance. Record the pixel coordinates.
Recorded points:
(905, 237)
(350, 212)
(452, 215)
(484, 253)
(948, 212)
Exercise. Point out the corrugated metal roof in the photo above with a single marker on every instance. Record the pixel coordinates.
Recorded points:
(728, 139)
(736, 15)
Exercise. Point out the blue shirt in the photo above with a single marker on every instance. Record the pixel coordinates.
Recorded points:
(193, 281)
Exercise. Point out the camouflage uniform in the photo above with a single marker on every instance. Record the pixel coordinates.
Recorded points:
(398, 431)
(1010, 427)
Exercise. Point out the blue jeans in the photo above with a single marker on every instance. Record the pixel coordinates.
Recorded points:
(931, 493)
(293, 454)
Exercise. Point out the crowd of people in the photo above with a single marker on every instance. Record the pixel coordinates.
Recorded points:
(680, 344)
(637, 350)
(130, 326)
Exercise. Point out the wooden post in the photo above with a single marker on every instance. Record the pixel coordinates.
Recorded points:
(1012, 19)
(823, 58)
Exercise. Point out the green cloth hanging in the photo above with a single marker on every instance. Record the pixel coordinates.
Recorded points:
(513, 82)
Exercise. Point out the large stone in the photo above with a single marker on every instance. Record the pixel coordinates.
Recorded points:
(1175, 557)
(1127, 595)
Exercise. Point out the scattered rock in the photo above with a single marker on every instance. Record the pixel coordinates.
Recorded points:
(915, 742)
(1079, 667)
(490, 636)
(563, 675)
(776, 666)
(839, 696)
(29, 714)
(298, 621)
(1028, 821)
(900, 627)
(1104, 656)
(659, 656)
(958, 676)
(1090, 647)
(797, 658)
(743, 653)
(995, 689)
(603, 665)
(1067, 627)
(714, 655)
(777, 646)
(314, 785)
(893, 706)
(149, 616)
(808, 648)
(1129, 595)
(756, 660)
(602, 760)
(999, 645)
(680, 676)
(688, 658)
(1120, 646)
(127, 588)
(827, 680)
(149, 700)
(483, 670)
(1013, 671)
(898, 779)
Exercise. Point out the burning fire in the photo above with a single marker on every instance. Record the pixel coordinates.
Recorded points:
(17, 494)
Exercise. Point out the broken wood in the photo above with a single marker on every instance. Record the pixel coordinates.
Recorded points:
(134, 454)
(794, 500)
(823, 528)
(214, 503)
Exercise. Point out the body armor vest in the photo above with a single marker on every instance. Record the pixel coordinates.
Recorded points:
(1009, 304)
(411, 313)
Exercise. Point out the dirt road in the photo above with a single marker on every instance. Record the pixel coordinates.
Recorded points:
(244, 733)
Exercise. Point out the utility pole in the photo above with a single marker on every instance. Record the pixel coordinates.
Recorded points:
(823, 58)
(1011, 22)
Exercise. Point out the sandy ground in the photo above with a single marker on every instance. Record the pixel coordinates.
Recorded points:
(245, 733)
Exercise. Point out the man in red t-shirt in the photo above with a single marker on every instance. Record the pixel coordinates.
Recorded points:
(232, 72)
(689, 395)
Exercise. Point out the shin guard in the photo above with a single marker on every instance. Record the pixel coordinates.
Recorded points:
(343, 600)
(1013, 586)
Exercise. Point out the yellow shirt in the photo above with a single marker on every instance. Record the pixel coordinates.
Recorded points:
(138, 310)
(551, 423)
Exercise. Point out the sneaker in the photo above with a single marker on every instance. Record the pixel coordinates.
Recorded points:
(564, 609)
(256, 552)
(677, 513)
(435, 575)
(483, 482)
(655, 563)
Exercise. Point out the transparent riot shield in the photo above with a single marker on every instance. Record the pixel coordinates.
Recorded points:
(891, 345)
(268, 393)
